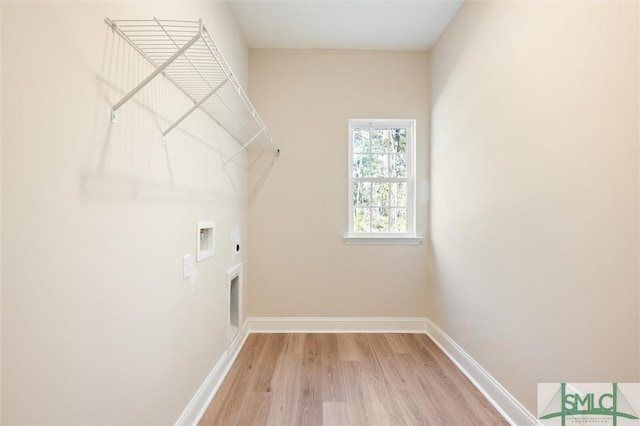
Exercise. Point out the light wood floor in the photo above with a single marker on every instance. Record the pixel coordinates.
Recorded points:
(346, 379)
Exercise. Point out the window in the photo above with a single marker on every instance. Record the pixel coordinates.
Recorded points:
(381, 178)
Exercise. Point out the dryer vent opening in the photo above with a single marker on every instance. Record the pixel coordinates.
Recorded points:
(234, 307)
(234, 300)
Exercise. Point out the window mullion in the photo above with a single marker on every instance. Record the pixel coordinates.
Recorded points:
(373, 179)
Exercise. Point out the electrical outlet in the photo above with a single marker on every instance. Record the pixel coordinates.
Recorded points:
(187, 266)
(235, 243)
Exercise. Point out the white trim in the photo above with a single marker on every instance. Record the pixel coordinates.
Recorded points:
(337, 325)
(512, 410)
(384, 241)
(204, 395)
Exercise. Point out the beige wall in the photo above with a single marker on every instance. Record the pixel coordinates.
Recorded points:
(98, 325)
(535, 190)
(299, 263)
(0, 218)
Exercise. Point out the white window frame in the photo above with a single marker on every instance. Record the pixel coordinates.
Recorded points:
(408, 237)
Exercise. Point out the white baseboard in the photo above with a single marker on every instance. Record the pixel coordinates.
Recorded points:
(204, 395)
(337, 325)
(513, 411)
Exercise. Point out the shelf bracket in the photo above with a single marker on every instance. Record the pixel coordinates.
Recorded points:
(194, 107)
(157, 71)
(244, 146)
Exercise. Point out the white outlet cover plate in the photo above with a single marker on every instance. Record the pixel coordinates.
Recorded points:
(187, 266)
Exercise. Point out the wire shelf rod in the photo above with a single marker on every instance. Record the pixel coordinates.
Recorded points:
(186, 55)
(243, 146)
(157, 71)
(171, 80)
(193, 108)
(207, 39)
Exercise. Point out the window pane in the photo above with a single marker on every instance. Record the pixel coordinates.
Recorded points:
(361, 142)
(398, 196)
(398, 220)
(399, 140)
(380, 194)
(362, 194)
(379, 165)
(398, 165)
(362, 220)
(379, 220)
(361, 166)
(382, 152)
(380, 140)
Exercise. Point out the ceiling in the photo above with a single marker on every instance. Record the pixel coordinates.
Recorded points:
(344, 24)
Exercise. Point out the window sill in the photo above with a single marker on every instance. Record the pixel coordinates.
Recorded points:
(383, 241)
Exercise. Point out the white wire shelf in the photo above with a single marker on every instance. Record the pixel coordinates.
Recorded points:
(186, 55)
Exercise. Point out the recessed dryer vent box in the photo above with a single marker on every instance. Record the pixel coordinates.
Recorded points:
(206, 239)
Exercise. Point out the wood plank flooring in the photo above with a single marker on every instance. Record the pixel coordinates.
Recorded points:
(346, 379)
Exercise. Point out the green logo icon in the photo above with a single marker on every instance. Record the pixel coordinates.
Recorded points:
(568, 403)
